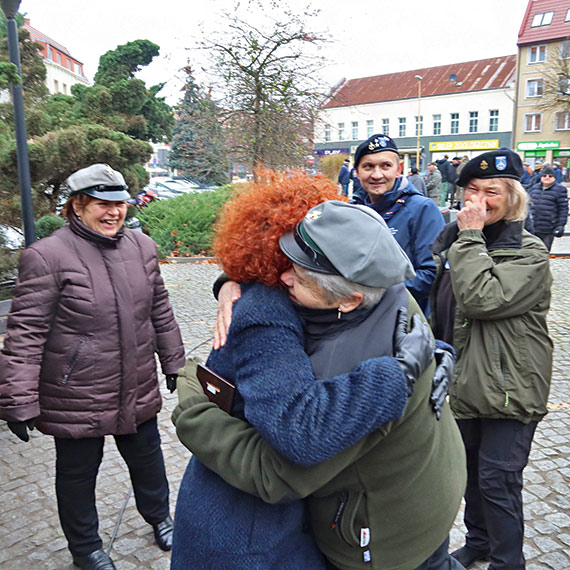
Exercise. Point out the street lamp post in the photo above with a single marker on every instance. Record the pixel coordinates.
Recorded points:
(10, 9)
(418, 123)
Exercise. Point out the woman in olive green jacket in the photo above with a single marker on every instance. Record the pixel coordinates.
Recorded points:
(490, 300)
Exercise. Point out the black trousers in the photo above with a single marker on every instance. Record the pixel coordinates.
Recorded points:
(497, 453)
(77, 465)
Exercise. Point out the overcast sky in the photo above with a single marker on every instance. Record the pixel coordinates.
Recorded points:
(371, 37)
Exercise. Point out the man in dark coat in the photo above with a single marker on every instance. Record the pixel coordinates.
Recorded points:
(344, 176)
(549, 207)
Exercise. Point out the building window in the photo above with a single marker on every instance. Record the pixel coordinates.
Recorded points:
(341, 131)
(59, 58)
(64, 88)
(327, 133)
(354, 130)
(494, 120)
(369, 129)
(533, 122)
(567, 19)
(537, 54)
(437, 124)
(454, 123)
(402, 126)
(77, 69)
(534, 88)
(564, 85)
(562, 121)
(473, 121)
(385, 127)
(544, 19)
(419, 125)
(56, 85)
(68, 64)
(50, 54)
(565, 50)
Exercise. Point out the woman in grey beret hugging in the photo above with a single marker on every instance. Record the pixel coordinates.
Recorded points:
(89, 313)
(383, 483)
(490, 300)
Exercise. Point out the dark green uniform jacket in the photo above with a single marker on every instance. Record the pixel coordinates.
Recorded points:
(501, 283)
(386, 503)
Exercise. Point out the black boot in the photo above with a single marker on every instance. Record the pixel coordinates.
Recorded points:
(468, 556)
(163, 533)
(98, 560)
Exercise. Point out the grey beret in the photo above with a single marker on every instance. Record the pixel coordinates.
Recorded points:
(349, 240)
(99, 181)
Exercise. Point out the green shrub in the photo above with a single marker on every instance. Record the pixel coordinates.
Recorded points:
(183, 226)
(46, 225)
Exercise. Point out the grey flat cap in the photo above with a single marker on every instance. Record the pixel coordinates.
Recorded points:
(349, 240)
(99, 181)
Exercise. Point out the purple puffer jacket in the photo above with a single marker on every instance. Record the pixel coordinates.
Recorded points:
(88, 314)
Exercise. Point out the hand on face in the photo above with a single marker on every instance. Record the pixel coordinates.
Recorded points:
(473, 214)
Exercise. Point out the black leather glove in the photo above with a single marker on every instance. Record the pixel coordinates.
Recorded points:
(171, 381)
(559, 231)
(21, 428)
(442, 379)
(413, 350)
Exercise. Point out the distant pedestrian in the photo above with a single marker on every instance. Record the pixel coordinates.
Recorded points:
(549, 207)
(447, 177)
(458, 198)
(344, 176)
(356, 186)
(433, 182)
(525, 178)
(558, 172)
(417, 180)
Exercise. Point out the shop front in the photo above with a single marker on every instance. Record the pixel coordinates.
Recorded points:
(542, 151)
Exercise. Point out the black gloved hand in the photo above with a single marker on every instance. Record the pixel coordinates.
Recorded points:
(171, 381)
(442, 379)
(21, 428)
(413, 350)
(559, 231)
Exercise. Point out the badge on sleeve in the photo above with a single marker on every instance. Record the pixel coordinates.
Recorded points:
(364, 537)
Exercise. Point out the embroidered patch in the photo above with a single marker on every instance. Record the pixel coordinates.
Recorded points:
(366, 556)
(364, 537)
(500, 162)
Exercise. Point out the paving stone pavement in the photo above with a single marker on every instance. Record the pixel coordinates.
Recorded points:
(30, 535)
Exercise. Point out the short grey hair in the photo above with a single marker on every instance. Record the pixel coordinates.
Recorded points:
(336, 288)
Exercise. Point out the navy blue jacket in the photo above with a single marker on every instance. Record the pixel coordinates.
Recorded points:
(344, 175)
(549, 207)
(415, 224)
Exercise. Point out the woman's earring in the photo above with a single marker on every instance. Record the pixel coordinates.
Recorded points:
(339, 313)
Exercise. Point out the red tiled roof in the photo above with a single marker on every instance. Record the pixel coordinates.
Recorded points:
(558, 29)
(493, 73)
(37, 36)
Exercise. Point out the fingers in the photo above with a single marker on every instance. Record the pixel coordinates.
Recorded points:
(230, 292)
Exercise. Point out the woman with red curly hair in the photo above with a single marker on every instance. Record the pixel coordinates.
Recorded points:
(216, 525)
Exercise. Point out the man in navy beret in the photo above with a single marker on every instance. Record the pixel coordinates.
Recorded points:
(413, 219)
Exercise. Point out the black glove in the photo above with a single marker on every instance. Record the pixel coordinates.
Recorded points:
(21, 428)
(442, 379)
(171, 381)
(559, 231)
(413, 350)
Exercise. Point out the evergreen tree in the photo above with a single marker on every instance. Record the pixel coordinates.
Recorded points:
(198, 149)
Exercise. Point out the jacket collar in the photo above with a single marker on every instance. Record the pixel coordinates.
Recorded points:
(80, 229)
(501, 235)
(402, 186)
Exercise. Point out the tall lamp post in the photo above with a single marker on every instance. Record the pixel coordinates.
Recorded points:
(10, 9)
(418, 123)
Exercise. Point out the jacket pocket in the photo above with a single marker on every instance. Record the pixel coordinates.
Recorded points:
(73, 359)
(350, 516)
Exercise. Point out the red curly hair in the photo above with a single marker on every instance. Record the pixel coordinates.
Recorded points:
(246, 243)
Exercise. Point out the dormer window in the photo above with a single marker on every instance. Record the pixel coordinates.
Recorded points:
(544, 19)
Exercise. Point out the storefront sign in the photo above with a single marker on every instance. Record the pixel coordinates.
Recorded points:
(330, 151)
(534, 153)
(464, 145)
(561, 153)
(538, 145)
